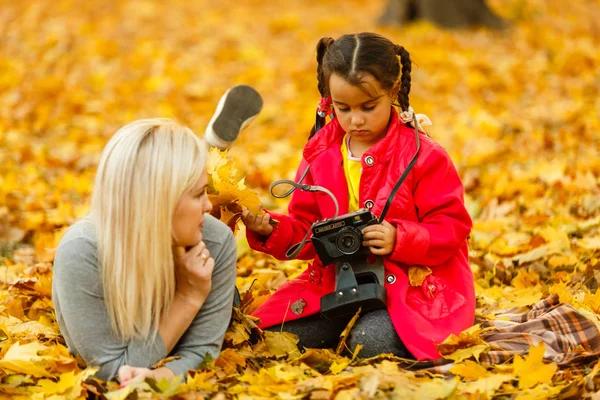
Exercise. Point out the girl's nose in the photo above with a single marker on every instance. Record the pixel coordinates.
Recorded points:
(357, 120)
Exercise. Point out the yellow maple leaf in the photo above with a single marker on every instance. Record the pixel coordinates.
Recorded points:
(417, 275)
(487, 385)
(425, 388)
(281, 343)
(531, 370)
(202, 381)
(230, 192)
(464, 345)
(336, 367)
(25, 359)
(470, 370)
(525, 279)
(473, 351)
(230, 360)
(66, 382)
(226, 188)
(563, 292)
(236, 334)
(540, 392)
(592, 301)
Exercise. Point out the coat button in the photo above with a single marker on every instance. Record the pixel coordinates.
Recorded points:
(390, 279)
(369, 160)
(369, 204)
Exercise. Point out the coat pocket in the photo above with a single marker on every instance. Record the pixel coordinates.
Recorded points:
(434, 299)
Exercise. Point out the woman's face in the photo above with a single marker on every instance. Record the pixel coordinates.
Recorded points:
(188, 219)
(364, 117)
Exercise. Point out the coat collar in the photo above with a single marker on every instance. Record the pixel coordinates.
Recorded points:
(332, 133)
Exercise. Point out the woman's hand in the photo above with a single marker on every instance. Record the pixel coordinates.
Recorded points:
(257, 223)
(380, 238)
(129, 374)
(193, 270)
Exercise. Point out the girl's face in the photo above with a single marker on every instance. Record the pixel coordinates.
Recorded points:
(188, 219)
(365, 118)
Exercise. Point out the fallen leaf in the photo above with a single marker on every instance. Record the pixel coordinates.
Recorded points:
(417, 275)
(533, 362)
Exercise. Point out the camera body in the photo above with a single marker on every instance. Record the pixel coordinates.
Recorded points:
(340, 239)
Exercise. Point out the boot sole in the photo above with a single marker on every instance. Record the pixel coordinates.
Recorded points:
(237, 108)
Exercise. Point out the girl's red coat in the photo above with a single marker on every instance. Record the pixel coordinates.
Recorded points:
(432, 228)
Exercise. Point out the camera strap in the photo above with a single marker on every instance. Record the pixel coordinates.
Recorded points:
(295, 249)
(410, 166)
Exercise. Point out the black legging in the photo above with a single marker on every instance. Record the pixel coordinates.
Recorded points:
(374, 330)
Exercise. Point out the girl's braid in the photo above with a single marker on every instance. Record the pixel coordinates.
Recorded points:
(405, 78)
(322, 46)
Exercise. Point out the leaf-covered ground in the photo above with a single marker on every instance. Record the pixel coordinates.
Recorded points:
(517, 110)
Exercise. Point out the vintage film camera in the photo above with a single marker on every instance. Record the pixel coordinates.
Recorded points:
(358, 282)
(339, 239)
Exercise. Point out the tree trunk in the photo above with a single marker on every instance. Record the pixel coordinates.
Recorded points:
(446, 13)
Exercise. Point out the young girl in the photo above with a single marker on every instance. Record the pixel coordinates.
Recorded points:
(359, 156)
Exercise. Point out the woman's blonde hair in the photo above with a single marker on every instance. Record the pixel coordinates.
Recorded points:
(145, 169)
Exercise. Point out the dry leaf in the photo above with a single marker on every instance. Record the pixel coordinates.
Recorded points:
(416, 275)
(531, 370)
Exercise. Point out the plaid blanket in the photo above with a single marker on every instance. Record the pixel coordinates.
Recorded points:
(568, 335)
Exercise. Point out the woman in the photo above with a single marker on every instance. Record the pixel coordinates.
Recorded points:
(149, 273)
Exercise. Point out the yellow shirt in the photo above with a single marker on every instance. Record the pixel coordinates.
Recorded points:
(352, 171)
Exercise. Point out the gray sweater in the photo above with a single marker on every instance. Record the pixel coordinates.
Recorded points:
(83, 319)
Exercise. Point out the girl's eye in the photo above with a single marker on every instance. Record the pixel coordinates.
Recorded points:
(202, 193)
(369, 108)
(343, 109)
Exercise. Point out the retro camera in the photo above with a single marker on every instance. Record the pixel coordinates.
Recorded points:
(340, 239)
(359, 283)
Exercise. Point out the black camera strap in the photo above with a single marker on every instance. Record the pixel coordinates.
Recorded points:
(409, 167)
(295, 249)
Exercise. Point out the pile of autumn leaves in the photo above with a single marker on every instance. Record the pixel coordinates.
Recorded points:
(517, 111)
(257, 364)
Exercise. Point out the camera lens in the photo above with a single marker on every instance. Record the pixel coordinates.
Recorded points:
(348, 240)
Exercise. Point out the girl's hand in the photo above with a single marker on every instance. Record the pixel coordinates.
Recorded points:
(129, 374)
(193, 270)
(257, 223)
(380, 238)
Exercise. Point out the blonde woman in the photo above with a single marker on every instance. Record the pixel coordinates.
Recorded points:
(149, 273)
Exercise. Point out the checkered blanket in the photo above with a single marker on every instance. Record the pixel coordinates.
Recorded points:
(568, 335)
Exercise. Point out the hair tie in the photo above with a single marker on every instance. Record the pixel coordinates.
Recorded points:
(325, 107)
(409, 115)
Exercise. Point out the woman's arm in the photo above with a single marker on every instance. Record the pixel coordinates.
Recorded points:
(193, 271)
(84, 320)
(178, 319)
(82, 315)
(444, 222)
(207, 329)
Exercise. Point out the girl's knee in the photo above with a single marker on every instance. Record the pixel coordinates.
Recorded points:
(377, 335)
